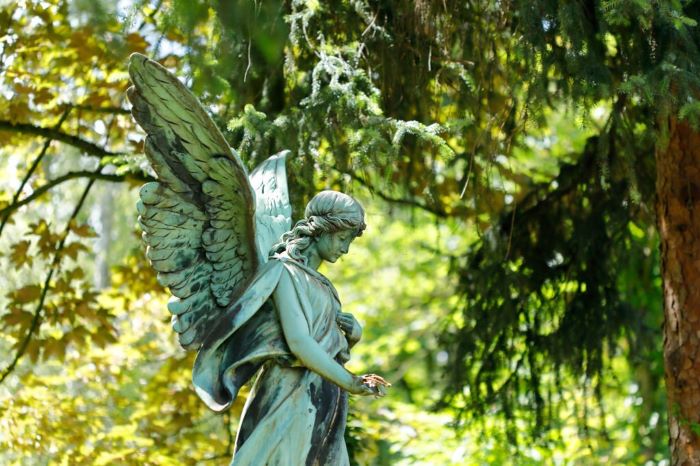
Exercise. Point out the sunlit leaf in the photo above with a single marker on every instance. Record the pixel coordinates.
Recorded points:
(26, 294)
(19, 255)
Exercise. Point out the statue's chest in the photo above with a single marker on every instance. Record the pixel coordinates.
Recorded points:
(324, 302)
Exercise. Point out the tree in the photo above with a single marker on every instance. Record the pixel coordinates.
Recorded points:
(528, 127)
(643, 54)
(677, 181)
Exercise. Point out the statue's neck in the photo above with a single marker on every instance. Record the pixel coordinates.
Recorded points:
(313, 258)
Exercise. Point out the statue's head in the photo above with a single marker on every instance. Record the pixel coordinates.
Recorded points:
(330, 218)
(332, 211)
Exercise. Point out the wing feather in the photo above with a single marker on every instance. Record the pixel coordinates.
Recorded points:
(197, 218)
(273, 211)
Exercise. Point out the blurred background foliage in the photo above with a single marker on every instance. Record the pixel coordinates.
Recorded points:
(508, 283)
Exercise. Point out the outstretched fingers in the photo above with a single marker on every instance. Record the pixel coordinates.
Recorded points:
(376, 383)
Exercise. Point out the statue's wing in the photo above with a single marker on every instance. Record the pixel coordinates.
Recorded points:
(273, 212)
(198, 217)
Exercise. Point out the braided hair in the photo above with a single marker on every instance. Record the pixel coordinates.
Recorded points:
(327, 212)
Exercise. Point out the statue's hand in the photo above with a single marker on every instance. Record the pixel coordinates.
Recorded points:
(369, 384)
(349, 325)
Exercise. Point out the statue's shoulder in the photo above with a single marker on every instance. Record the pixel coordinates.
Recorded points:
(297, 269)
(304, 275)
(292, 265)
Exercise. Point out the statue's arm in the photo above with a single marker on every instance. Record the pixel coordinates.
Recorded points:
(300, 342)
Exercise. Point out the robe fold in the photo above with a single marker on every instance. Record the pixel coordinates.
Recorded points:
(293, 416)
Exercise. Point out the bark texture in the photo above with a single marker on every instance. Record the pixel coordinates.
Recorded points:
(678, 190)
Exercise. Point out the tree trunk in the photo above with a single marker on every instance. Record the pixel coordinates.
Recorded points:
(104, 216)
(678, 191)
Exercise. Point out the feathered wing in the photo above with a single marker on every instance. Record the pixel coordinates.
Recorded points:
(273, 211)
(198, 218)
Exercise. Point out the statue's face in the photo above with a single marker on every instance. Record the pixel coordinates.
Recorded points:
(331, 246)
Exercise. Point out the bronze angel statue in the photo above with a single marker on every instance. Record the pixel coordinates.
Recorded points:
(246, 293)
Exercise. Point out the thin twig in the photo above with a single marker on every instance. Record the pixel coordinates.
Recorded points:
(30, 172)
(370, 25)
(247, 68)
(109, 110)
(150, 16)
(36, 320)
(435, 210)
(512, 227)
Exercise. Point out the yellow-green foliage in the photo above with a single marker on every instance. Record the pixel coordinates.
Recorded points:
(505, 156)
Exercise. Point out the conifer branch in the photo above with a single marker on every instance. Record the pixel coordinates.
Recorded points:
(433, 209)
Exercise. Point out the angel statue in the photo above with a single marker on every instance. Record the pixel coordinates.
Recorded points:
(246, 292)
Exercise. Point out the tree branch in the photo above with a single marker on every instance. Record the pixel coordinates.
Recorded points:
(110, 110)
(151, 16)
(55, 182)
(435, 210)
(231, 444)
(88, 147)
(30, 172)
(36, 320)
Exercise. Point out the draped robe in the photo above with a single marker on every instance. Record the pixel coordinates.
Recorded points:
(293, 416)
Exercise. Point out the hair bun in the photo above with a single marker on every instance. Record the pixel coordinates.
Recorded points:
(326, 212)
(336, 204)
